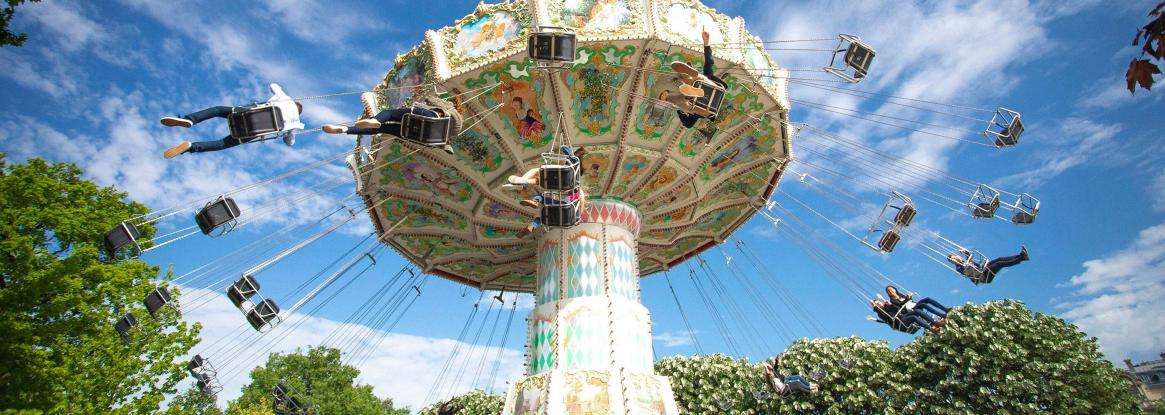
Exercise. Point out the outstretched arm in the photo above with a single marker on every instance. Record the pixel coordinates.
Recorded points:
(708, 68)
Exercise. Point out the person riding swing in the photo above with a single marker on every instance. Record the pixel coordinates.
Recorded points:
(278, 117)
(430, 121)
(700, 94)
(983, 274)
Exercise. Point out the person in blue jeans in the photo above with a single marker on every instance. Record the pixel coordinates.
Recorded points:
(384, 122)
(987, 273)
(900, 318)
(288, 108)
(784, 384)
(923, 306)
(688, 77)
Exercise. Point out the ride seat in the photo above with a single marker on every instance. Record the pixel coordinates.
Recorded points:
(156, 300)
(905, 215)
(249, 123)
(713, 98)
(262, 314)
(859, 56)
(551, 47)
(424, 130)
(216, 214)
(1004, 128)
(242, 290)
(558, 172)
(888, 241)
(558, 212)
(124, 235)
(986, 209)
(123, 326)
(851, 59)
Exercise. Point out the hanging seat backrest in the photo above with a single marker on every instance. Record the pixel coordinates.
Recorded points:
(905, 215)
(558, 211)
(156, 300)
(250, 122)
(986, 209)
(123, 326)
(262, 314)
(122, 241)
(859, 56)
(197, 365)
(551, 46)
(429, 131)
(558, 172)
(888, 241)
(222, 211)
(242, 290)
(713, 97)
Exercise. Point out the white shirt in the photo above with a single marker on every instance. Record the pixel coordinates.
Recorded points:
(290, 113)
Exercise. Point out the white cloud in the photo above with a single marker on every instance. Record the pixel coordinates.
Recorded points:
(1120, 297)
(403, 367)
(1073, 142)
(71, 30)
(674, 338)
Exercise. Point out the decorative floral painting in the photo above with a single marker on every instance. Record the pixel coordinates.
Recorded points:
(595, 83)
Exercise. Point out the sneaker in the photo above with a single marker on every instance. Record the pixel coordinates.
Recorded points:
(334, 129)
(512, 186)
(177, 122)
(691, 91)
(369, 101)
(448, 149)
(1023, 253)
(518, 180)
(368, 123)
(683, 68)
(176, 150)
(531, 203)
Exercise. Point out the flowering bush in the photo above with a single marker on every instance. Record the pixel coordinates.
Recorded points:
(472, 403)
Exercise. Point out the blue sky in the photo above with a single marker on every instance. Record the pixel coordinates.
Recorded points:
(91, 82)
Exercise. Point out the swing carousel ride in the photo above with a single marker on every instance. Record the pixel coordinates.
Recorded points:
(639, 194)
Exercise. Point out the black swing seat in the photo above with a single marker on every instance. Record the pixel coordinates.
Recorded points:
(985, 209)
(558, 172)
(557, 212)
(1005, 127)
(124, 325)
(551, 47)
(888, 241)
(197, 365)
(899, 325)
(157, 299)
(283, 400)
(905, 215)
(249, 123)
(218, 217)
(122, 241)
(713, 98)
(424, 130)
(263, 314)
(242, 290)
(855, 59)
(1025, 210)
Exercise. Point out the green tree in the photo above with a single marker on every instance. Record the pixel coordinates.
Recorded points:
(192, 402)
(854, 376)
(472, 403)
(59, 301)
(315, 377)
(6, 14)
(999, 357)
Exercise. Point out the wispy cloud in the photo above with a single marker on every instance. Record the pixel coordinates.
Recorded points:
(1118, 297)
(1072, 142)
(675, 338)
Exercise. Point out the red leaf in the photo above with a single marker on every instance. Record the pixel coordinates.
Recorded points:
(1141, 73)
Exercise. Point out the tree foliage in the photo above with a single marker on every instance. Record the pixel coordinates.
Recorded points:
(59, 301)
(6, 14)
(993, 358)
(1002, 358)
(1151, 38)
(472, 403)
(314, 377)
(192, 402)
